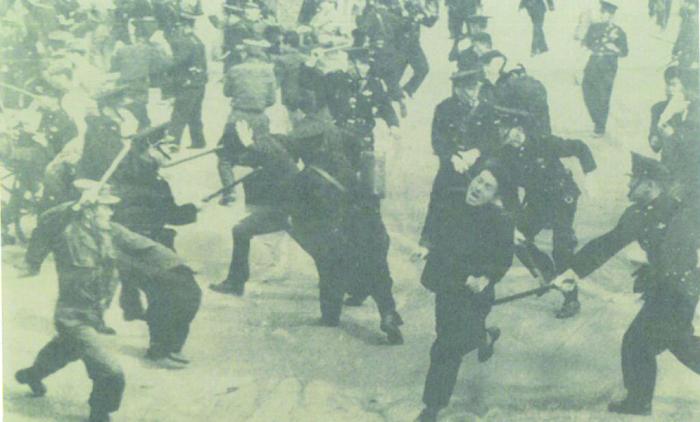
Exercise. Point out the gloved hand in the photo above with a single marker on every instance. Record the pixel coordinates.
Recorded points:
(566, 282)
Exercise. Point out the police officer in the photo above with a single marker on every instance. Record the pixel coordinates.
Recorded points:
(242, 22)
(686, 49)
(81, 242)
(607, 43)
(415, 15)
(551, 193)
(467, 58)
(471, 250)
(136, 63)
(461, 123)
(458, 11)
(537, 9)
(252, 87)
(189, 77)
(669, 282)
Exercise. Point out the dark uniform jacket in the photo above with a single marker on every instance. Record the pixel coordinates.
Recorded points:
(464, 240)
(537, 167)
(461, 127)
(287, 69)
(86, 262)
(686, 47)
(680, 152)
(189, 67)
(600, 34)
(58, 128)
(668, 268)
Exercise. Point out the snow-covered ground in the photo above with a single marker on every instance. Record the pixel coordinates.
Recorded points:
(263, 358)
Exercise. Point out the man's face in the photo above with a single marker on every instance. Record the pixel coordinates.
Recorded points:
(100, 216)
(467, 92)
(674, 88)
(514, 136)
(606, 16)
(643, 190)
(482, 190)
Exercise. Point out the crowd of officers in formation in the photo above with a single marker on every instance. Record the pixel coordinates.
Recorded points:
(106, 214)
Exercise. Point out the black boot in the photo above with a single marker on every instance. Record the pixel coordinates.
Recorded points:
(486, 350)
(569, 309)
(630, 406)
(27, 376)
(229, 288)
(390, 325)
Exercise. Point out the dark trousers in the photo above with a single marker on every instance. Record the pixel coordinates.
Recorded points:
(84, 343)
(460, 324)
(415, 58)
(539, 43)
(173, 300)
(263, 220)
(336, 262)
(187, 111)
(535, 216)
(140, 112)
(370, 243)
(597, 84)
(664, 322)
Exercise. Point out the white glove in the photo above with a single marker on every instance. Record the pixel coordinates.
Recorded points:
(245, 133)
(477, 284)
(519, 237)
(566, 282)
(464, 160)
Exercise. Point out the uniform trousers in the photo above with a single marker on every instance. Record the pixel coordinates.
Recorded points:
(597, 84)
(82, 342)
(665, 322)
(460, 324)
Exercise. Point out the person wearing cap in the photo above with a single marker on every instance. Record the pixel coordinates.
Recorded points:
(669, 283)
(414, 16)
(461, 123)
(537, 10)
(472, 249)
(607, 43)
(80, 240)
(252, 87)
(551, 194)
(136, 63)
(189, 79)
(382, 30)
(457, 13)
(686, 49)
(288, 65)
(242, 22)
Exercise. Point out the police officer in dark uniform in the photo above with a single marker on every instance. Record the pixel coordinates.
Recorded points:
(607, 42)
(471, 250)
(537, 9)
(461, 123)
(189, 78)
(686, 49)
(551, 193)
(669, 282)
(242, 22)
(468, 58)
(458, 11)
(414, 15)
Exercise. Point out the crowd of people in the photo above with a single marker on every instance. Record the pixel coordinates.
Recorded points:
(90, 170)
